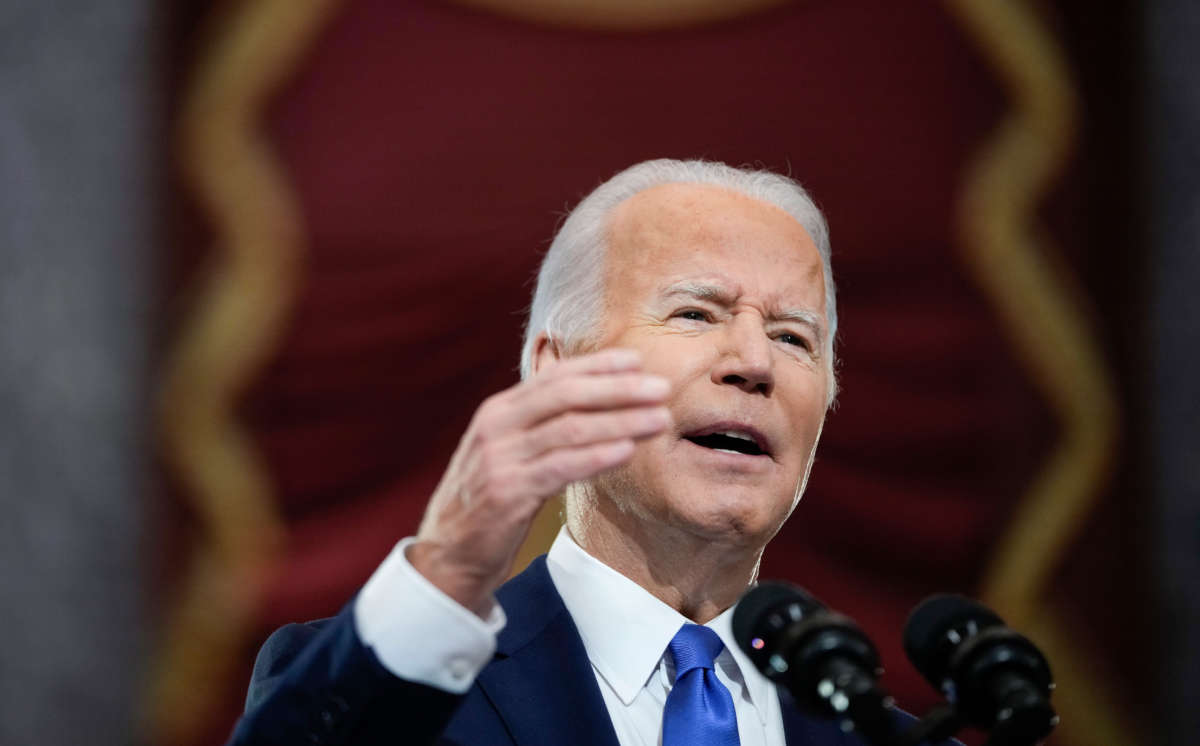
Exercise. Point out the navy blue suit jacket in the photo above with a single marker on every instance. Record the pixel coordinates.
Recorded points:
(317, 683)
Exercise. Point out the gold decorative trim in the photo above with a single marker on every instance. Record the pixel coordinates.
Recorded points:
(1007, 254)
(245, 297)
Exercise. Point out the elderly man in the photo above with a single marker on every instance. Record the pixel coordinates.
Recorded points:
(677, 367)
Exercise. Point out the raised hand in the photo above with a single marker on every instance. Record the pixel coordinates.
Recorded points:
(524, 445)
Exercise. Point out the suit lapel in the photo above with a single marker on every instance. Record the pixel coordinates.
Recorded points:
(541, 681)
(802, 730)
(805, 730)
(795, 725)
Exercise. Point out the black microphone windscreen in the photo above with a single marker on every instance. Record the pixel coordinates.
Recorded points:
(928, 625)
(761, 600)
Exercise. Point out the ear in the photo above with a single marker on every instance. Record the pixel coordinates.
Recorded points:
(545, 352)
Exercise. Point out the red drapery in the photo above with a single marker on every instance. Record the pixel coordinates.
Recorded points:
(433, 150)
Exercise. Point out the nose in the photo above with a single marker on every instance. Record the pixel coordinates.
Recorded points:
(745, 357)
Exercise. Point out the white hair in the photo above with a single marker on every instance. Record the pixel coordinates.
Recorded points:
(568, 302)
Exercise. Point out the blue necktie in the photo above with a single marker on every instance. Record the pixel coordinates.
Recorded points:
(699, 710)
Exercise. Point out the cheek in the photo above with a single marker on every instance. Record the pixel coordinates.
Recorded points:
(807, 417)
(809, 430)
(677, 356)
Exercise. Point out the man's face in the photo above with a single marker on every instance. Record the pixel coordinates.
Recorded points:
(724, 296)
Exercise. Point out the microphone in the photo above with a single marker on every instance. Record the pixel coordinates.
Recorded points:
(823, 658)
(996, 679)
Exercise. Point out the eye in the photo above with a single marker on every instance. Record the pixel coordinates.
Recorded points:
(795, 340)
(692, 314)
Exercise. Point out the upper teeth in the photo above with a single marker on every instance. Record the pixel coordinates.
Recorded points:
(739, 436)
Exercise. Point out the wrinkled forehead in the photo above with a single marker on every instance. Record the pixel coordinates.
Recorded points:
(686, 209)
(673, 230)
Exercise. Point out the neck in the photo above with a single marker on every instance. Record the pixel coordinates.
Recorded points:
(696, 575)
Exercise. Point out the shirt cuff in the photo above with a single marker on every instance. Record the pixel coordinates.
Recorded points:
(418, 632)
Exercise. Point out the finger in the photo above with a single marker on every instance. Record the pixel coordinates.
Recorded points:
(610, 360)
(575, 429)
(550, 474)
(545, 399)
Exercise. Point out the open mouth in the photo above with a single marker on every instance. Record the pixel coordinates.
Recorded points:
(729, 442)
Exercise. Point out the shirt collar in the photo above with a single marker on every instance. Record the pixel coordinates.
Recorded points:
(626, 630)
(758, 687)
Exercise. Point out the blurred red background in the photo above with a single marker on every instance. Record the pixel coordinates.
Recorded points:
(427, 152)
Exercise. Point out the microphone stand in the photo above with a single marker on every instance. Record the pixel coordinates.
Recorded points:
(940, 723)
(859, 701)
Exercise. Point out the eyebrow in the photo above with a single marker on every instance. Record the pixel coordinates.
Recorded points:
(726, 296)
(702, 291)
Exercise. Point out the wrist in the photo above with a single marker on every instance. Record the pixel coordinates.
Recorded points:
(433, 562)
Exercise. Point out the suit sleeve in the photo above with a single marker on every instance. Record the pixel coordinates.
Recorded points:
(390, 668)
(317, 683)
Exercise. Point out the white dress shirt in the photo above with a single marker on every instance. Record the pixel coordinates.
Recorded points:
(626, 630)
(420, 634)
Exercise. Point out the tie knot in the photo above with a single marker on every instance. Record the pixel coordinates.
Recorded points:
(694, 646)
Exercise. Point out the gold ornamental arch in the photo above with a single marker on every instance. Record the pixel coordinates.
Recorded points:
(245, 296)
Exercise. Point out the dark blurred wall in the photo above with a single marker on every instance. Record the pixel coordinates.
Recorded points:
(77, 138)
(1173, 345)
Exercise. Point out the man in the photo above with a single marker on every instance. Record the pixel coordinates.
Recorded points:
(677, 368)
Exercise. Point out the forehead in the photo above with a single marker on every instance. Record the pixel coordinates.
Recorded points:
(675, 232)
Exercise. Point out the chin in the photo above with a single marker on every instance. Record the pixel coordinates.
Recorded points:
(739, 512)
(732, 517)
